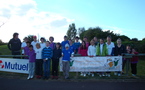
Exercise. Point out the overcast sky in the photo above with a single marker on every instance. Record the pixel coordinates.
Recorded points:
(52, 17)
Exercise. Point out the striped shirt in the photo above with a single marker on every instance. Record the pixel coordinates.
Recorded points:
(47, 53)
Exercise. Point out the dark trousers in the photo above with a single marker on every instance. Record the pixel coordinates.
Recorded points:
(16, 53)
(134, 68)
(39, 67)
(55, 63)
(46, 68)
(124, 63)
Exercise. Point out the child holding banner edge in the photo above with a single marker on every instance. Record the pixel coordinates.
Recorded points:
(66, 54)
(83, 52)
(101, 51)
(92, 52)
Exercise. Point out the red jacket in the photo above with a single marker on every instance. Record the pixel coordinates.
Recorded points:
(83, 52)
(134, 58)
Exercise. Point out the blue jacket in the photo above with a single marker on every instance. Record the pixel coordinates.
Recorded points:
(77, 45)
(67, 54)
(63, 44)
(73, 47)
(47, 53)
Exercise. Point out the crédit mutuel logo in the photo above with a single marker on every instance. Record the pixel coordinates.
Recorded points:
(1, 64)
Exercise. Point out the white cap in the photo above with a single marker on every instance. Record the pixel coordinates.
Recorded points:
(66, 45)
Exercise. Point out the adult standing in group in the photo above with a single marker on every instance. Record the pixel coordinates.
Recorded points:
(96, 41)
(118, 51)
(23, 45)
(15, 45)
(42, 43)
(102, 51)
(110, 47)
(34, 42)
(77, 44)
(63, 43)
(83, 50)
(72, 46)
(52, 44)
(86, 40)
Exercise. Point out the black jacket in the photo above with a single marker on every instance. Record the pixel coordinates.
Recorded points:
(119, 50)
(14, 45)
(57, 53)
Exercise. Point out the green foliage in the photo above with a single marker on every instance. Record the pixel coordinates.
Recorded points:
(72, 32)
(99, 33)
(30, 38)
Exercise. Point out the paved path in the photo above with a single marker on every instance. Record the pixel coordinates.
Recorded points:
(23, 84)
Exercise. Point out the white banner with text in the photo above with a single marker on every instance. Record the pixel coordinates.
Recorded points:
(95, 64)
(14, 65)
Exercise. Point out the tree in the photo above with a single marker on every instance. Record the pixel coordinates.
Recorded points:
(134, 39)
(124, 38)
(80, 32)
(30, 38)
(72, 32)
(1, 41)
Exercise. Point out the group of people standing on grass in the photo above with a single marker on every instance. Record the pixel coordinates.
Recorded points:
(41, 54)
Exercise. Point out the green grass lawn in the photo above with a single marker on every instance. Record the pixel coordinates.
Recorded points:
(140, 67)
(4, 50)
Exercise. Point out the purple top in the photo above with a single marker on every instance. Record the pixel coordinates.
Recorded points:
(52, 45)
(32, 56)
(26, 50)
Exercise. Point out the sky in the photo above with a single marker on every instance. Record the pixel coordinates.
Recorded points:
(46, 18)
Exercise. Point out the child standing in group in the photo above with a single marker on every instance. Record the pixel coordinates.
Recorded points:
(52, 44)
(42, 43)
(83, 52)
(72, 46)
(77, 44)
(63, 43)
(118, 51)
(46, 56)
(66, 54)
(102, 51)
(26, 49)
(92, 51)
(32, 58)
(110, 47)
(83, 49)
(57, 53)
(39, 61)
(134, 62)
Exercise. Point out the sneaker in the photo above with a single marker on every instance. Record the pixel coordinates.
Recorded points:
(44, 78)
(89, 73)
(103, 75)
(119, 74)
(67, 78)
(28, 78)
(84, 75)
(38, 76)
(81, 74)
(108, 75)
(115, 73)
(56, 77)
(52, 77)
(92, 74)
(133, 75)
(31, 77)
(100, 75)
